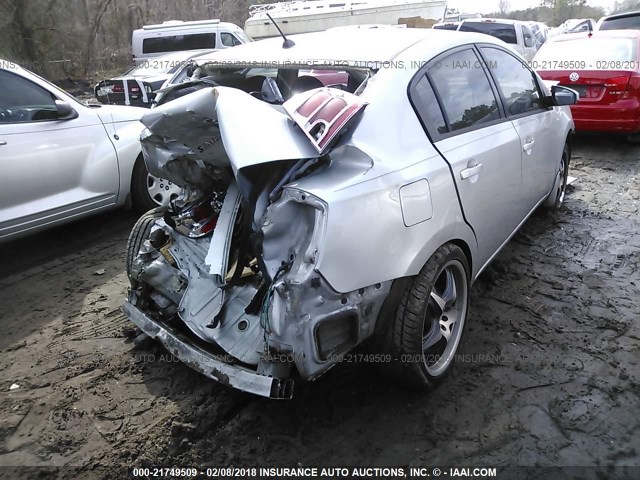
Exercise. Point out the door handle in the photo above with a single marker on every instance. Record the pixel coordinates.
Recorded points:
(470, 172)
(527, 146)
(2, 142)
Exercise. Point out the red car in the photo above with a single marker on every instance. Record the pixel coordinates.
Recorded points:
(604, 68)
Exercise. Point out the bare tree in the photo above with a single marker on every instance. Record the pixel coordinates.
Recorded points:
(84, 33)
(504, 6)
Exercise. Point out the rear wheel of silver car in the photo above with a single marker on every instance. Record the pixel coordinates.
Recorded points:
(147, 191)
(430, 318)
(555, 200)
(139, 233)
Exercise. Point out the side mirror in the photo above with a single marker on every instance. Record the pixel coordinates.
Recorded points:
(528, 41)
(562, 96)
(64, 111)
(271, 92)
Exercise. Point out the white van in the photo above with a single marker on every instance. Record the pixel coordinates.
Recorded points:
(176, 36)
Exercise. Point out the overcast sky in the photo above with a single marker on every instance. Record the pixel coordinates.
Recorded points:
(485, 6)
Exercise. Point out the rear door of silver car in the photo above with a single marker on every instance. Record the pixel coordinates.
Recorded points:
(458, 104)
(525, 106)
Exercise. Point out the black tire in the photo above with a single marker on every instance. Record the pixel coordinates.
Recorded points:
(555, 200)
(140, 198)
(416, 310)
(139, 233)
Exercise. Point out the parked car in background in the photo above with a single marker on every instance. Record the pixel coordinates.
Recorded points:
(178, 36)
(620, 21)
(447, 25)
(137, 85)
(604, 68)
(62, 159)
(318, 218)
(574, 25)
(540, 31)
(514, 32)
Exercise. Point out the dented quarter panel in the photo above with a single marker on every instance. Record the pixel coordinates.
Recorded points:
(399, 157)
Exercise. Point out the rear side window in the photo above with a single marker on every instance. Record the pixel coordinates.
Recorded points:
(464, 89)
(426, 103)
(503, 31)
(515, 81)
(178, 43)
(623, 23)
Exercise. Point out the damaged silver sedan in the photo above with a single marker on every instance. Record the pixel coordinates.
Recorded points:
(313, 218)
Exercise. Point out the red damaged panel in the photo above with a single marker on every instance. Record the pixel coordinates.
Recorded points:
(323, 114)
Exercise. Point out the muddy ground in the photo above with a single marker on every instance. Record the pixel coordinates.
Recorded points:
(549, 376)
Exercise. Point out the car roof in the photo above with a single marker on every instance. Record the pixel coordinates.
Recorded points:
(495, 20)
(596, 34)
(355, 47)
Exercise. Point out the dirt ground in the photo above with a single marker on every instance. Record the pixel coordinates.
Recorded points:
(548, 374)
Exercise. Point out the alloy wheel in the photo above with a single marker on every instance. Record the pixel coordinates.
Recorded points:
(444, 318)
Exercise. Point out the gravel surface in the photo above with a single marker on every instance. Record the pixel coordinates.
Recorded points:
(547, 374)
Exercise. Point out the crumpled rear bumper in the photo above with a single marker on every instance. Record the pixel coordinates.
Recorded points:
(208, 363)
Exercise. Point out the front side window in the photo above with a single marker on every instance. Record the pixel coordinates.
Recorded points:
(229, 40)
(464, 89)
(515, 80)
(21, 100)
(526, 36)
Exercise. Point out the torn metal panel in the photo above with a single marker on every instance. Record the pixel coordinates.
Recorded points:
(218, 254)
(249, 126)
(192, 140)
(182, 142)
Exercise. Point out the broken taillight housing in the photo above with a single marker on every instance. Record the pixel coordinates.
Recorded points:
(199, 218)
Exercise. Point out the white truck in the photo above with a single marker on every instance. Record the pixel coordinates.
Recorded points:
(515, 33)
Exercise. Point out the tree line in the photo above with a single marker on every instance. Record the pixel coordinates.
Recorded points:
(552, 12)
(77, 38)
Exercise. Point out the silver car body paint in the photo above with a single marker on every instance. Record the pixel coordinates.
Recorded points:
(381, 202)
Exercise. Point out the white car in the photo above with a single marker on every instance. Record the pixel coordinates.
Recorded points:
(62, 159)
